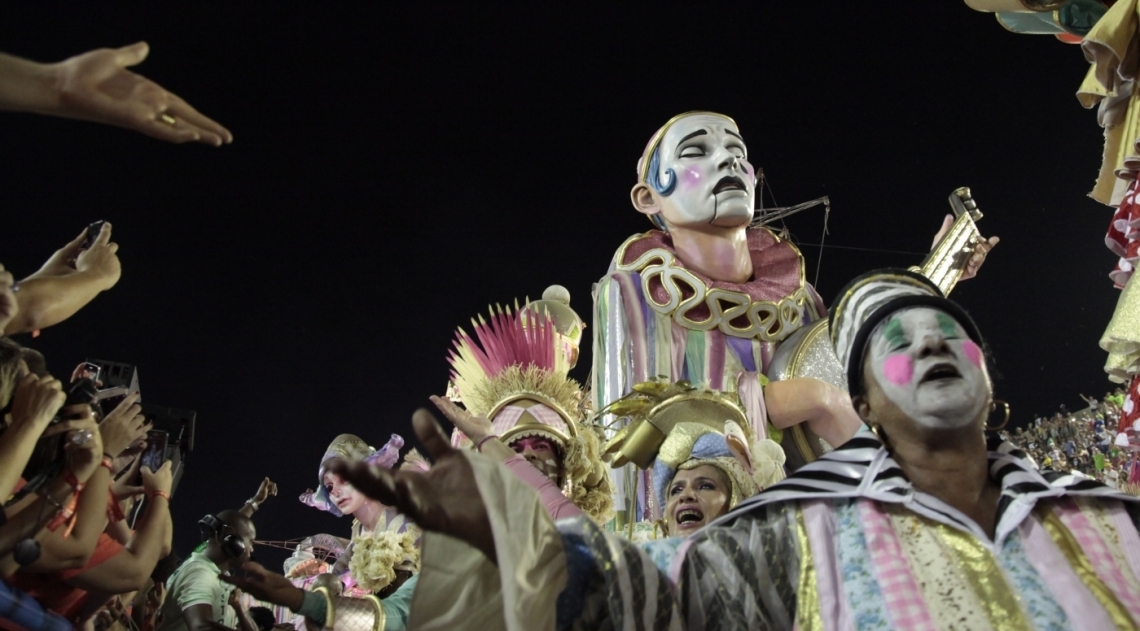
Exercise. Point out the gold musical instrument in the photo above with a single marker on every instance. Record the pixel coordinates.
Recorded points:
(808, 351)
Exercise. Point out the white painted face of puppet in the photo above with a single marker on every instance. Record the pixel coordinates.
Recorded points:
(347, 499)
(926, 365)
(716, 184)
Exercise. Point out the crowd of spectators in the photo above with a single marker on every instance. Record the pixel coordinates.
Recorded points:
(85, 531)
(1085, 442)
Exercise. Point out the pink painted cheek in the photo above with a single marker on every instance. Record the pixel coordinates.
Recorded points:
(898, 369)
(973, 353)
(748, 168)
(689, 178)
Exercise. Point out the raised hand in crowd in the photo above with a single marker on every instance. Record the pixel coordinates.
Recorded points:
(124, 426)
(70, 279)
(29, 516)
(97, 86)
(130, 568)
(478, 429)
(267, 489)
(122, 488)
(158, 482)
(245, 621)
(34, 404)
(444, 499)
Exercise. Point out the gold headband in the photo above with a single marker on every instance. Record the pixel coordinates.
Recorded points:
(656, 139)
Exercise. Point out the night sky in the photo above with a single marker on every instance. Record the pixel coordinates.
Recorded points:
(395, 170)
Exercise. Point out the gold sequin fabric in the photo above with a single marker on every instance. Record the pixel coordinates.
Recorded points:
(959, 578)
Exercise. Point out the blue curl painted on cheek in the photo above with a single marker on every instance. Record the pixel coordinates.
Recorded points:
(654, 176)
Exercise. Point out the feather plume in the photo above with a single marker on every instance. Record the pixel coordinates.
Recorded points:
(507, 339)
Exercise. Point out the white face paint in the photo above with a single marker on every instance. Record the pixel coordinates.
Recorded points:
(926, 365)
(715, 182)
(343, 494)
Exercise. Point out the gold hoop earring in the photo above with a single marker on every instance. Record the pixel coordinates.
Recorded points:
(1005, 421)
(880, 434)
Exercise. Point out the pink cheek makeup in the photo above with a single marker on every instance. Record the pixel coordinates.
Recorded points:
(898, 369)
(973, 353)
(690, 177)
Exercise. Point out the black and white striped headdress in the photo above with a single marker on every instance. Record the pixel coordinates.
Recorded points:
(870, 298)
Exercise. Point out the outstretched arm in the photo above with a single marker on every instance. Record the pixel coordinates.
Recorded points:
(58, 290)
(319, 607)
(96, 86)
(481, 432)
(131, 567)
(267, 489)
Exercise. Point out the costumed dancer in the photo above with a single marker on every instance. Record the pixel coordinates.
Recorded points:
(701, 455)
(704, 297)
(918, 523)
(382, 557)
(522, 407)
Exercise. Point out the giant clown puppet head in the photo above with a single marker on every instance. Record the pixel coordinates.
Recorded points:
(694, 175)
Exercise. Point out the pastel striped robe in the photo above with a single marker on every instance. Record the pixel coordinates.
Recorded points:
(653, 317)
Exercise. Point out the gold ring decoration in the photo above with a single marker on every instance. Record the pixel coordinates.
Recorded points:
(168, 119)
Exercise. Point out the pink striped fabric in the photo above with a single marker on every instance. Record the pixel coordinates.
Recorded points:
(901, 594)
(1098, 554)
(548, 417)
(715, 347)
(819, 520)
(680, 345)
(752, 398)
(507, 418)
(1080, 606)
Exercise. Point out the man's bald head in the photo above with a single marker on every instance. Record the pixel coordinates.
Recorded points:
(239, 523)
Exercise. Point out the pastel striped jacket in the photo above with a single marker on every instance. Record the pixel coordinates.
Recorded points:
(847, 543)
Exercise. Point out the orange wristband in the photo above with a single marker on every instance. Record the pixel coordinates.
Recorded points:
(107, 462)
(64, 515)
(159, 493)
(72, 481)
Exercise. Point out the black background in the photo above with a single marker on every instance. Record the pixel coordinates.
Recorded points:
(397, 168)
